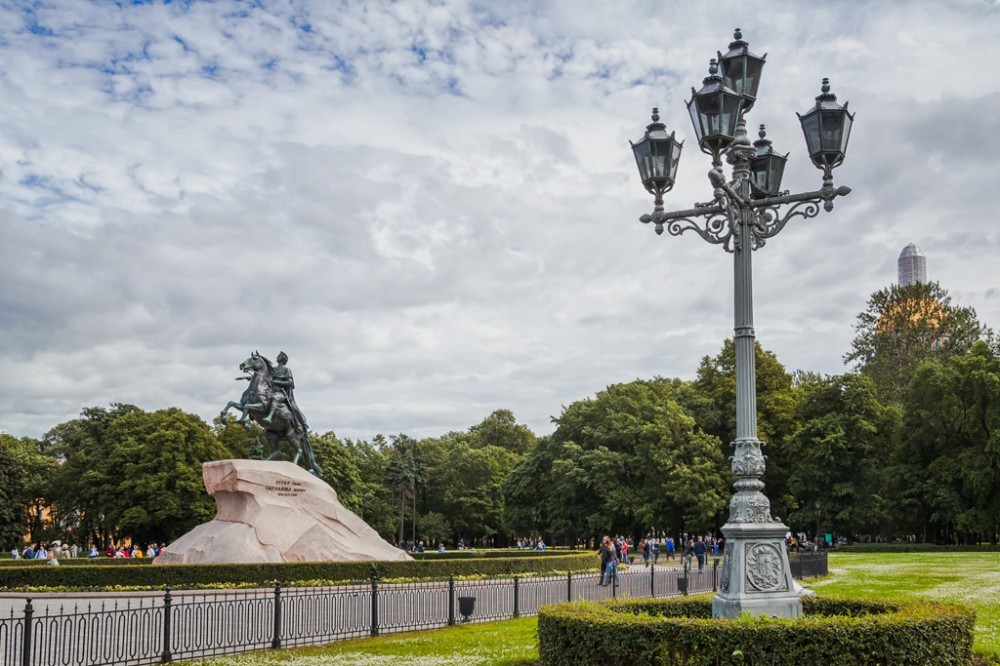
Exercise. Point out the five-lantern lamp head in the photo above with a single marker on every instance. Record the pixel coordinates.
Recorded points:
(716, 110)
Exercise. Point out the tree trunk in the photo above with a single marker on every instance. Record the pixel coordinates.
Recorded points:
(402, 508)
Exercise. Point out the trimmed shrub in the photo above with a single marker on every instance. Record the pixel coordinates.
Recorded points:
(681, 631)
(503, 552)
(82, 562)
(194, 575)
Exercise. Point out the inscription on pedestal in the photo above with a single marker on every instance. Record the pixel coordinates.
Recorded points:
(283, 488)
(764, 571)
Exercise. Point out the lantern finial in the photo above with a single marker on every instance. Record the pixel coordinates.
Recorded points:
(713, 67)
(656, 115)
(761, 133)
(737, 34)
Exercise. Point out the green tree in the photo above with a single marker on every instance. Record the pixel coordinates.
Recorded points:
(241, 442)
(904, 326)
(31, 489)
(86, 483)
(340, 469)
(403, 474)
(434, 528)
(529, 506)
(501, 429)
(629, 460)
(949, 459)
(129, 473)
(373, 493)
(13, 505)
(776, 408)
(158, 459)
(465, 484)
(839, 450)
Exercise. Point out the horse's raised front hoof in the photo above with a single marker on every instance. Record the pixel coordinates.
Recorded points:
(266, 419)
(223, 418)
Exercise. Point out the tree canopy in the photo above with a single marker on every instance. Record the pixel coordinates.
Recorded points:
(903, 326)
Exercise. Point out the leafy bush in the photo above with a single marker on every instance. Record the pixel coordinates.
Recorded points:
(193, 575)
(681, 631)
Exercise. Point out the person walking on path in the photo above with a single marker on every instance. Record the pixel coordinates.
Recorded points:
(609, 562)
(688, 554)
(700, 550)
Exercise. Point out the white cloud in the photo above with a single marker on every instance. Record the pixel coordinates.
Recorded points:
(431, 206)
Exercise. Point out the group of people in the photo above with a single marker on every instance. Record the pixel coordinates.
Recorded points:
(45, 551)
(419, 547)
(615, 551)
(152, 550)
(56, 550)
(525, 543)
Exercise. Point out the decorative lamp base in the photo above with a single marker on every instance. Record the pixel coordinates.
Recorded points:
(756, 577)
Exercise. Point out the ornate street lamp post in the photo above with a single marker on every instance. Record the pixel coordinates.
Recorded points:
(744, 213)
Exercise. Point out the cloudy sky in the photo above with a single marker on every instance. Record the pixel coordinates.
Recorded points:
(431, 206)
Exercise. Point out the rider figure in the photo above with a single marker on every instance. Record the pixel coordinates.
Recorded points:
(284, 389)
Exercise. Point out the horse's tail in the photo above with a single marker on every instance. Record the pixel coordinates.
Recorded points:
(307, 448)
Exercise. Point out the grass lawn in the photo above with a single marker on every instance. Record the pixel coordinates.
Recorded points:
(972, 579)
(508, 643)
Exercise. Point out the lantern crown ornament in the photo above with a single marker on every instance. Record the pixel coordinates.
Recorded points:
(741, 69)
(827, 128)
(715, 110)
(657, 155)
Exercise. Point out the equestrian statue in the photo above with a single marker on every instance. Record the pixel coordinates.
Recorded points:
(269, 401)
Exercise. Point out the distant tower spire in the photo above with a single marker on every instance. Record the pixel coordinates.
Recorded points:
(912, 266)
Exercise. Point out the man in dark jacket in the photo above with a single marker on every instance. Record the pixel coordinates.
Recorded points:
(700, 550)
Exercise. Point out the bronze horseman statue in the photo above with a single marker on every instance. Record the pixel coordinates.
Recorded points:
(269, 401)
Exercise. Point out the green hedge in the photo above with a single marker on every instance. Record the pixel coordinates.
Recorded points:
(681, 631)
(914, 548)
(194, 575)
(81, 561)
(503, 552)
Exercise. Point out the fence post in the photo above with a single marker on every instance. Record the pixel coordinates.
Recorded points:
(374, 604)
(569, 586)
(165, 656)
(652, 581)
(715, 574)
(687, 566)
(29, 611)
(517, 588)
(614, 585)
(276, 637)
(451, 600)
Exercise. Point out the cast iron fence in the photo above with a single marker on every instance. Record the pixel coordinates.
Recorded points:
(808, 565)
(148, 629)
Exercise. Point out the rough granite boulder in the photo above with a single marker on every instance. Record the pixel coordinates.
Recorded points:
(272, 511)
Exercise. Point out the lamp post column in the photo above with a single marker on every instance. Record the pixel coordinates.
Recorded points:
(756, 576)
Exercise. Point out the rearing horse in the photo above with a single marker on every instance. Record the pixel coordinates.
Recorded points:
(255, 403)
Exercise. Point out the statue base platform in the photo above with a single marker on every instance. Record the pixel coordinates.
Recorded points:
(272, 511)
(756, 576)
